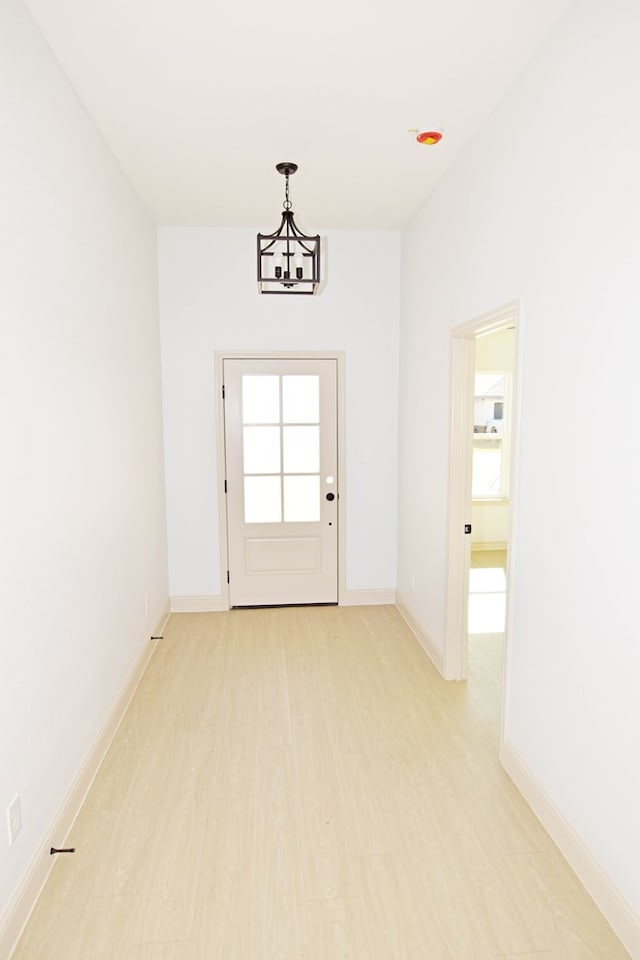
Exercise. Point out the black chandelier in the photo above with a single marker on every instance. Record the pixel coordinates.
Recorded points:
(288, 261)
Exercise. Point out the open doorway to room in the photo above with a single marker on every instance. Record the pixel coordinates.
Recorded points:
(491, 455)
(480, 489)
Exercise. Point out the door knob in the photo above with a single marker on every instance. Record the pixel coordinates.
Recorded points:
(331, 496)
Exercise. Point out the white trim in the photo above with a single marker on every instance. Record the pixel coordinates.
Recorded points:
(489, 545)
(490, 502)
(223, 534)
(460, 507)
(161, 623)
(342, 478)
(199, 604)
(221, 474)
(26, 895)
(618, 912)
(368, 598)
(489, 323)
(421, 635)
(349, 598)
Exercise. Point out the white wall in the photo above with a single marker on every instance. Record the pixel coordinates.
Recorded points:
(81, 505)
(494, 352)
(489, 523)
(544, 206)
(208, 302)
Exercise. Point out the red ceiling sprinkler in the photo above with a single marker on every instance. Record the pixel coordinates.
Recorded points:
(429, 137)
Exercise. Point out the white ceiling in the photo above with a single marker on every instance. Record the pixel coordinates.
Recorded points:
(199, 99)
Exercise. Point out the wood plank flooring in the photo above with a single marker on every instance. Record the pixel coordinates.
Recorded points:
(300, 784)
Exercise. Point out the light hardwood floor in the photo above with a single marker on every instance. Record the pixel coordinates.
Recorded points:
(300, 783)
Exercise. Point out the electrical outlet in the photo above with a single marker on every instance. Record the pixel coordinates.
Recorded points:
(14, 819)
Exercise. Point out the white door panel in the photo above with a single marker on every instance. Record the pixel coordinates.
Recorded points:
(281, 465)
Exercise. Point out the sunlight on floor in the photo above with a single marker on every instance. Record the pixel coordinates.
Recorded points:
(487, 595)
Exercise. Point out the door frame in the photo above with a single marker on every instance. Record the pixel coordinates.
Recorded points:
(463, 348)
(223, 527)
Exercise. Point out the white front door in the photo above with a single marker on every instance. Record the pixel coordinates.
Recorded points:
(281, 480)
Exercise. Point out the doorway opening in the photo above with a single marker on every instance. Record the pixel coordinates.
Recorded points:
(481, 489)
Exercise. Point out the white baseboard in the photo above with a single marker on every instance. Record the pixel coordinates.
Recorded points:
(33, 880)
(367, 598)
(162, 622)
(436, 656)
(348, 598)
(607, 897)
(198, 604)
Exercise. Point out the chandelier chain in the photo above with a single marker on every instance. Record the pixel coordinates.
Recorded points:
(287, 203)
